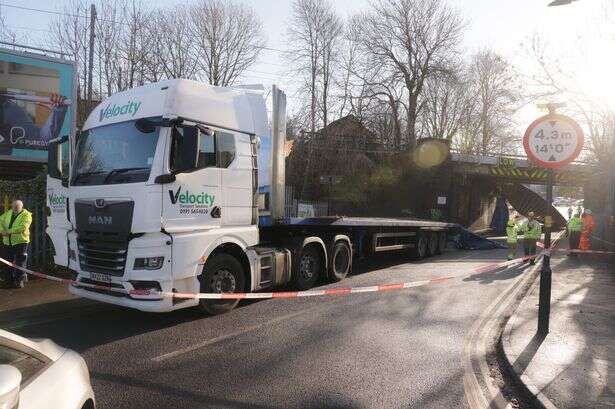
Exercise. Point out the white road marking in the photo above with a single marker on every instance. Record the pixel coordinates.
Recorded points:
(224, 337)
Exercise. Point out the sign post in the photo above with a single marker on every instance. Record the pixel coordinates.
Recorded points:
(551, 141)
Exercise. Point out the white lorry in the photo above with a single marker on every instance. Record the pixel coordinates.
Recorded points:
(178, 186)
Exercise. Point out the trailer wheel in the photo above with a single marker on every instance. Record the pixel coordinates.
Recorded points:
(420, 251)
(340, 261)
(308, 268)
(441, 242)
(432, 245)
(222, 273)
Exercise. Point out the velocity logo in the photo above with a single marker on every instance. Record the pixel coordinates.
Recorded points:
(129, 108)
(57, 200)
(187, 198)
(57, 203)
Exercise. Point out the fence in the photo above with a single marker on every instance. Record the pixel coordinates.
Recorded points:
(294, 207)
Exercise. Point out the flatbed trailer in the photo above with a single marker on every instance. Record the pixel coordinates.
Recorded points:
(368, 235)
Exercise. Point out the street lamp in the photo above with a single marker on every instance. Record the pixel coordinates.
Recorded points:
(560, 3)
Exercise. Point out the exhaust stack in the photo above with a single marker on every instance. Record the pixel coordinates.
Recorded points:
(278, 160)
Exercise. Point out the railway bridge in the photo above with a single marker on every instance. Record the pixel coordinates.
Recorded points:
(480, 180)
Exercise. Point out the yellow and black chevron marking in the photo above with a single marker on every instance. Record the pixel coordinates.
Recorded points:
(535, 174)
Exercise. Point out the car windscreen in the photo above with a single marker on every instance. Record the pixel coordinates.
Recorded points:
(27, 364)
(116, 153)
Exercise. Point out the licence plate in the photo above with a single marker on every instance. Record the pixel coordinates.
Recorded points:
(103, 278)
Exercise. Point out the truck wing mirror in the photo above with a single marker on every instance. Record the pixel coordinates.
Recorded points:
(54, 157)
(184, 149)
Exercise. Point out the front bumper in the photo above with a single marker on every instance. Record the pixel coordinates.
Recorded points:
(160, 305)
(149, 245)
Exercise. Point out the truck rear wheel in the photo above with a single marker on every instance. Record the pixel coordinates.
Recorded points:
(307, 269)
(222, 273)
(432, 246)
(420, 250)
(340, 261)
(441, 242)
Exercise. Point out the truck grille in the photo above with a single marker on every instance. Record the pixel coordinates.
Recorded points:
(102, 257)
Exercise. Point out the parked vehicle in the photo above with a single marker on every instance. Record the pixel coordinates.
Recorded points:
(37, 373)
(179, 186)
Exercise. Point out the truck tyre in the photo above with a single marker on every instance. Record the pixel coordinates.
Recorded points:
(432, 244)
(222, 273)
(420, 251)
(341, 261)
(307, 269)
(441, 242)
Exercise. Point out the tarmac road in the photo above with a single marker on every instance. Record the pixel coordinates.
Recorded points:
(375, 350)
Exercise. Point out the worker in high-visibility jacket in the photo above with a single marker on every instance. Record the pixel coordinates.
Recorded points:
(15, 231)
(575, 225)
(512, 237)
(531, 231)
(586, 230)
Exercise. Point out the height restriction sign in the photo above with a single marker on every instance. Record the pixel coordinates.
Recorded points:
(553, 141)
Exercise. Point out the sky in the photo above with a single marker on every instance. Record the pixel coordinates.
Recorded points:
(502, 25)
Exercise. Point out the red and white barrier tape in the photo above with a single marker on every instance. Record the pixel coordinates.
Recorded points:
(281, 294)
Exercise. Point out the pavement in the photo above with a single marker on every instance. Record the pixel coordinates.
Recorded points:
(574, 365)
(395, 349)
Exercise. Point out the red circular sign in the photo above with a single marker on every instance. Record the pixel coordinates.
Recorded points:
(553, 141)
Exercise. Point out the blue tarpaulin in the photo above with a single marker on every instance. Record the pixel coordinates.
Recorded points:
(500, 216)
(466, 240)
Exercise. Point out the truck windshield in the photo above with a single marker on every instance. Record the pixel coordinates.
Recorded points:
(116, 153)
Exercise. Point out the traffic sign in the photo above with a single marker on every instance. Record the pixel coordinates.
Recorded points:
(553, 141)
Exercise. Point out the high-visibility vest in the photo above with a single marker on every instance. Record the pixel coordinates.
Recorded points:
(575, 224)
(19, 231)
(511, 232)
(532, 230)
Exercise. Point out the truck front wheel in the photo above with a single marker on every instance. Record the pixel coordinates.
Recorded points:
(308, 268)
(222, 273)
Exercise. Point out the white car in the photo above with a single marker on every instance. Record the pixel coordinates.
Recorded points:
(37, 373)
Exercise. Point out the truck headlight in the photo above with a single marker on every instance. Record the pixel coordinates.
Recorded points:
(72, 254)
(148, 263)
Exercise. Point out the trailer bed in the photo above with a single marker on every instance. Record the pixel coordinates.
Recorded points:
(341, 221)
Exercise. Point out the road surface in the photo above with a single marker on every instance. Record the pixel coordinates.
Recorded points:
(396, 349)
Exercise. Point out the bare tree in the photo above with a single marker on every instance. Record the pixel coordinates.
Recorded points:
(497, 94)
(108, 36)
(331, 33)
(69, 34)
(314, 34)
(174, 53)
(410, 40)
(229, 39)
(6, 34)
(134, 47)
(446, 101)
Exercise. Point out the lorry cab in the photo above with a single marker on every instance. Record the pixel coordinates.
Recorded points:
(161, 176)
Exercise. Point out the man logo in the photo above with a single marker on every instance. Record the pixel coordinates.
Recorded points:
(100, 203)
(104, 220)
